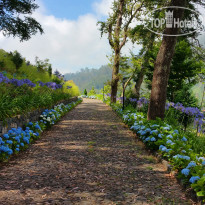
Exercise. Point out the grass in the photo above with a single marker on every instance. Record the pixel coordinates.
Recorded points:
(198, 144)
(151, 159)
(149, 168)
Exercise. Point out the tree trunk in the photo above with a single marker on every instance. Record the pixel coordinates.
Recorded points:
(142, 73)
(162, 67)
(115, 77)
(116, 66)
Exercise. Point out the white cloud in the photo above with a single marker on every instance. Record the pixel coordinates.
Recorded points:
(103, 8)
(70, 45)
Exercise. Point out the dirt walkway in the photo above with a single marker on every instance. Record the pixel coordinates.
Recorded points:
(90, 157)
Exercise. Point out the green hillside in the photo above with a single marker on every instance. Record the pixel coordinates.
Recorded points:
(87, 78)
(26, 70)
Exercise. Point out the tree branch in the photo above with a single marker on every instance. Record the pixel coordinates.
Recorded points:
(110, 36)
(128, 23)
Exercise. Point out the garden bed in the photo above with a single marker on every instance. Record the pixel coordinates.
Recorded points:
(18, 139)
(170, 145)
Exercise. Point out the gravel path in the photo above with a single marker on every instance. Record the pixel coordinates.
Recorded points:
(89, 157)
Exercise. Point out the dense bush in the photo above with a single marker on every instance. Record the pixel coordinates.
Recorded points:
(16, 100)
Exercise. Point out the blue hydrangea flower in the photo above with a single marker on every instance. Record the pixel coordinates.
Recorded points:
(166, 128)
(203, 163)
(30, 123)
(185, 172)
(184, 139)
(181, 157)
(186, 157)
(17, 149)
(191, 164)
(10, 151)
(143, 133)
(6, 136)
(37, 127)
(160, 135)
(154, 131)
(9, 142)
(164, 149)
(200, 158)
(148, 130)
(169, 136)
(161, 146)
(176, 131)
(155, 125)
(194, 179)
(169, 142)
(153, 139)
(147, 139)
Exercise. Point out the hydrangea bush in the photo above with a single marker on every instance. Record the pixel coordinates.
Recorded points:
(172, 145)
(18, 139)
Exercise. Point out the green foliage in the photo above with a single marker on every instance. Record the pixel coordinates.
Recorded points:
(107, 89)
(92, 92)
(87, 78)
(186, 96)
(85, 92)
(185, 68)
(199, 187)
(18, 100)
(43, 65)
(27, 70)
(2, 65)
(15, 19)
(74, 91)
(172, 144)
(50, 71)
(17, 59)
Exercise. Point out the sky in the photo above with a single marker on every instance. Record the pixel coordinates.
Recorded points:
(71, 39)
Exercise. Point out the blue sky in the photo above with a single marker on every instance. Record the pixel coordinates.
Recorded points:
(71, 39)
(69, 9)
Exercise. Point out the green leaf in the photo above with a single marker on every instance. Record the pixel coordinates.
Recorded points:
(201, 193)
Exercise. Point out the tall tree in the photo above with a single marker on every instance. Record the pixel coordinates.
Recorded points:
(148, 42)
(162, 66)
(42, 65)
(117, 26)
(186, 67)
(50, 70)
(17, 59)
(14, 19)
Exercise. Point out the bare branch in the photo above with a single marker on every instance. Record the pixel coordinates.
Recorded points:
(128, 23)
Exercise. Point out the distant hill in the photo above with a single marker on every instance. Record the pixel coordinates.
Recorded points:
(87, 78)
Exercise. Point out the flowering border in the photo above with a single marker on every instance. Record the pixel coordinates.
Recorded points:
(172, 146)
(17, 140)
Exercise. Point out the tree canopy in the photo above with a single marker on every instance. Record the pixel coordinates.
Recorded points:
(16, 20)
